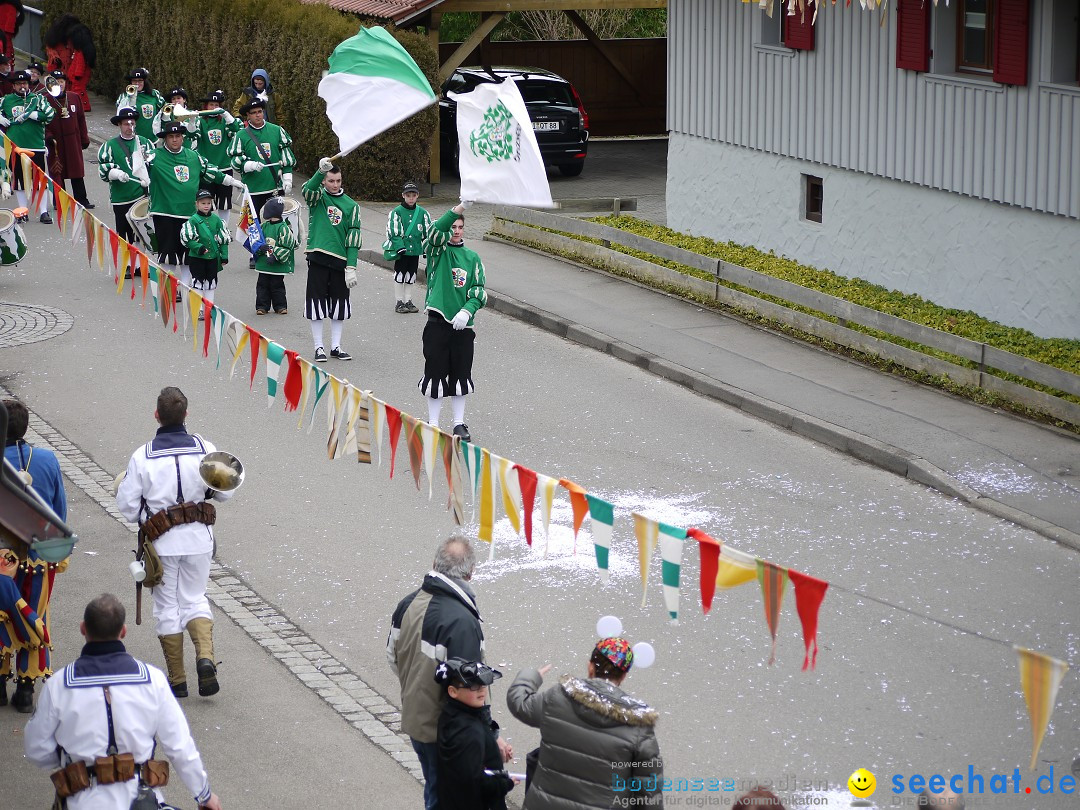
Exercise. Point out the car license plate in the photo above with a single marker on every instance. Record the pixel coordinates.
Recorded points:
(545, 126)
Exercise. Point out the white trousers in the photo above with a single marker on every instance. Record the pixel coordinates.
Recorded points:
(181, 596)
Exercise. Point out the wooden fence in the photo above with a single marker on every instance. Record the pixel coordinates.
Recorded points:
(522, 223)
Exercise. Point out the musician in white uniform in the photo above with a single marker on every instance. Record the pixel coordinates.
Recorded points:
(163, 491)
(98, 719)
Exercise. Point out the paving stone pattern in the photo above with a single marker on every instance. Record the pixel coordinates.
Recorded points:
(343, 690)
(29, 323)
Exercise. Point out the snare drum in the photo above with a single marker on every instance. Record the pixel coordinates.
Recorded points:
(12, 239)
(143, 224)
(292, 216)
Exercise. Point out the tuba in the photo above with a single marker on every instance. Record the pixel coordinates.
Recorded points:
(221, 471)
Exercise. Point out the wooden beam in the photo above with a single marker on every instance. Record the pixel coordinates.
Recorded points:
(487, 25)
(604, 50)
(545, 5)
(434, 158)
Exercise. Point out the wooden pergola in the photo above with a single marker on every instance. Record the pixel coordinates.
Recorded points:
(429, 14)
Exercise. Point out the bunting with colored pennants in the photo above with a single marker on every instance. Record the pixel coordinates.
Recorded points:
(355, 418)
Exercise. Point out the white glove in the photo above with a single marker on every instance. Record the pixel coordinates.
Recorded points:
(34, 116)
(118, 175)
(5, 190)
(252, 166)
(286, 182)
(229, 180)
(4, 122)
(466, 203)
(325, 165)
(350, 277)
(226, 116)
(144, 181)
(192, 125)
(461, 320)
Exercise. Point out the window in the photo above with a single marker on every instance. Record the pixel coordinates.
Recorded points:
(813, 198)
(1065, 43)
(975, 36)
(772, 28)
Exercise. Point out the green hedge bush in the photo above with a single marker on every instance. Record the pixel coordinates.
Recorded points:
(204, 45)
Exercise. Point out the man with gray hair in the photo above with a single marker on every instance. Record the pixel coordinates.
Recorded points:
(437, 622)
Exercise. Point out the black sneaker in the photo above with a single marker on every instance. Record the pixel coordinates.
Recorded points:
(340, 354)
(462, 432)
(46, 219)
(320, 355)
(400, 308)
(410, 307)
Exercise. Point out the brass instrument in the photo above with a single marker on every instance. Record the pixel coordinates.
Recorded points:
(131, 90)
(55, 89)
(178, 112)
(222, 471)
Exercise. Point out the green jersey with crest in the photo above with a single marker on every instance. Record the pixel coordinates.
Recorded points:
(268, 144)
(214, 140)
(206, 237)
(147, 105)
(455, 274)
(174, 181)
(27, 134)
(116, 154)
(334, 223)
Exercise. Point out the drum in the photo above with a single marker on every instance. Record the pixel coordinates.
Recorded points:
(292, 216)
(12, 239)
(143, 224)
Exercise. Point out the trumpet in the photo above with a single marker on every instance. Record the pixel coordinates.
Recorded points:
(131, 90)
(178, 112)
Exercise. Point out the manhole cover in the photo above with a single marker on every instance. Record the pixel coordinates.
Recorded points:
(30, 323)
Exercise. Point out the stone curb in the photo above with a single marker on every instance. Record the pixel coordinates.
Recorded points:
(862, 447)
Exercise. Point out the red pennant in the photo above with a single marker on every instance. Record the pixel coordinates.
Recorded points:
(91, 235)
(294, 381)
(144, 267)
(809, 593)
(114, 244)
(527, 482)
(710, 564)
(393, 424)
(254, 344)
(208, 323)
(57, 191)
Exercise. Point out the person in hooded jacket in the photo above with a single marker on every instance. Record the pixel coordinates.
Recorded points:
(260, 88)
(598, 744)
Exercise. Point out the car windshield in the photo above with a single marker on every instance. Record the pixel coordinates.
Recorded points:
(538, 91)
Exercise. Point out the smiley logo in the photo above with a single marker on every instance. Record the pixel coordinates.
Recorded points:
(862, 783)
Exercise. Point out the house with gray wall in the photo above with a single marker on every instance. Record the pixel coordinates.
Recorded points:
(933, 149)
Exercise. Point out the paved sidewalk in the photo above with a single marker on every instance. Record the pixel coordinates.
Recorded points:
(1002, 464)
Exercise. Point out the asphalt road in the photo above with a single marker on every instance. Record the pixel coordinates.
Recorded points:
(335, 545)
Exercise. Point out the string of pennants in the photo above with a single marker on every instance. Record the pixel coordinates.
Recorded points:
(355, 416)
(803, 7)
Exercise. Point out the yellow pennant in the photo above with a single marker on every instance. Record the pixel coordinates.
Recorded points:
(195, 303)
(240, 340)
(734, 568)
(429, 437)
(545, 493)
(647, 532)
(378, 419)
(487, 501)
(333, 418)
(63, 205)
(355, 396)
(511, 492)
(124, 256)
(307, 371)
(99, 237)
(1040, 677)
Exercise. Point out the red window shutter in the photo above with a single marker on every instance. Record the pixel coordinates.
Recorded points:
(913, 35)
(799, 29)
(1012, 32)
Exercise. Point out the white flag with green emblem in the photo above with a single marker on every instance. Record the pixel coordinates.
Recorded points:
(372, 84)
(498, 158)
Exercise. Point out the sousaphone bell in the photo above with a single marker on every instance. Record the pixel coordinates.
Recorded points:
(221, 471)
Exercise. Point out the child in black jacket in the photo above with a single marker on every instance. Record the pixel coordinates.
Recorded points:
(471, 775)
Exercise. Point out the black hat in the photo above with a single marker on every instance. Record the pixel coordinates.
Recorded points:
(410, 186)
(203, 195)
(273, 208)
(139, 73)
(124, 114)
(218, 97)
(58, 74)
(172, 128)
(458, 672)
(19, 76)
(177, 91)
(254, 104)
(40, 68)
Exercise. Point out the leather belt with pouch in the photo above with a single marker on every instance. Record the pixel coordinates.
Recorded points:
(108, 770)
(177, 515)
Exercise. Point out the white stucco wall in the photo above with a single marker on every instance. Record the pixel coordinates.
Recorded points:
(1012, 265)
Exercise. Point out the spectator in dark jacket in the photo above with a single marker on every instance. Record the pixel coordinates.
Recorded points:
(471, 775)
(437, 622)
(597, 744)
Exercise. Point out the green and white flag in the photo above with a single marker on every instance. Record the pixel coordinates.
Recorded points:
(275, 353)
(671, 549)
(603, 519)
(372, 84)
(498, 158)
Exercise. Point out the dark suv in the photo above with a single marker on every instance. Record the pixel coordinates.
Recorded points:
(558, 117)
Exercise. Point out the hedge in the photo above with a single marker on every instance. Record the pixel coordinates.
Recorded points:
(204, 45)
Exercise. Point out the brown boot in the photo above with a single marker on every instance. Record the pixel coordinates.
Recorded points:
(173, 647)
(202, 634)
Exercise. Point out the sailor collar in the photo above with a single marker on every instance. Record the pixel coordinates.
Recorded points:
(174, 440)
(104, 663)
